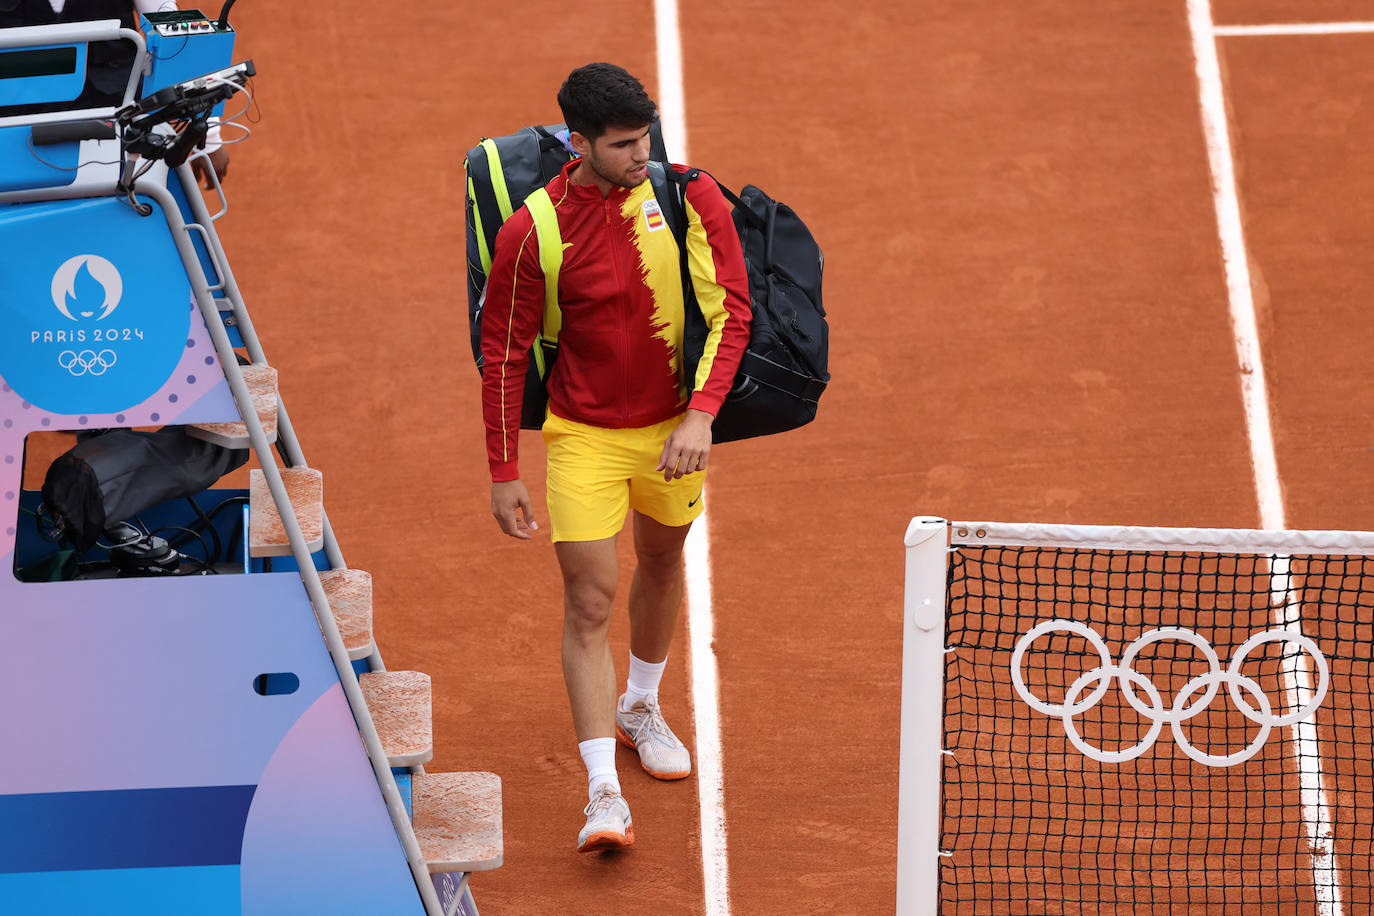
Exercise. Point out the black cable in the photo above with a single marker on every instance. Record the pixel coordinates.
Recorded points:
(203, 564)
(184, 40)
(128, 186)
(62, 168)
(236, 532)
(228, 501)
(224, 14)
(255, 107)
(202, 524)
(207, 521)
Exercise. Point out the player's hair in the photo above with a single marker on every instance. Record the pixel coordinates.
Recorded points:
(599, 96)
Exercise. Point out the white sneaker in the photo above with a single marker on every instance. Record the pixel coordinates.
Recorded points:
(609, 825)
(661, 754)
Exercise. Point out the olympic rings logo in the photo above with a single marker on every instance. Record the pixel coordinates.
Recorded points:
(87, 361)
(1181, 710)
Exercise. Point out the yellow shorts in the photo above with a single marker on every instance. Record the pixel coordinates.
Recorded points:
(596, 475)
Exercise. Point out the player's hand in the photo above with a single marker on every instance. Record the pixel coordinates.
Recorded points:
(687, 448)
(510, 504)
(219, 161)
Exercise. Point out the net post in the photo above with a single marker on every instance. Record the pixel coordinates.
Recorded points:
(923, 673)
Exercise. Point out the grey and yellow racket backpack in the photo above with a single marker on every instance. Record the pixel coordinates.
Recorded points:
(501, 173)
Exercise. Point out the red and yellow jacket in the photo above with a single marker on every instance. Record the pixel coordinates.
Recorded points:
(620, 293)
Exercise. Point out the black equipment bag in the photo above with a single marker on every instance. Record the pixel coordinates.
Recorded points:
(785, 367)
(501, 173)
(112, 476)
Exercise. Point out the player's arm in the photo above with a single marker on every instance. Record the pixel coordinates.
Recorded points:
(511, 315)
(721, 285)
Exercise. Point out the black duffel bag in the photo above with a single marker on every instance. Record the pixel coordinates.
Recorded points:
(785, 368)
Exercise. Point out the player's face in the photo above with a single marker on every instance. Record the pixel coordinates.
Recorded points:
(619, 157)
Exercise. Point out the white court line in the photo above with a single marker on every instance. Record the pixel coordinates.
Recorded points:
(672, 108)
(1295, 28)
(1254, 393)
(1233, 251)
(672, 101)
(706, 711)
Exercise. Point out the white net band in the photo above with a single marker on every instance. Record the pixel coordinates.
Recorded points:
(1124, 537)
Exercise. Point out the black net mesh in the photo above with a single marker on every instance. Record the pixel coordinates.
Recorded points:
(1036, 826)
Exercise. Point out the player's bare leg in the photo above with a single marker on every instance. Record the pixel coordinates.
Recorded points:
(590, 573)
(656, 589)
(655, 603)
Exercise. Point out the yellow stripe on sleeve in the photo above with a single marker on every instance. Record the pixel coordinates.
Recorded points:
(710, 294)
(505, 360)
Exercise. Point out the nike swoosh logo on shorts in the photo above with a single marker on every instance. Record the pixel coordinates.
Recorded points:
(694, 502)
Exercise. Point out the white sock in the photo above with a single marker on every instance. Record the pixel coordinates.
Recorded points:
(643, 681)
(598, 755)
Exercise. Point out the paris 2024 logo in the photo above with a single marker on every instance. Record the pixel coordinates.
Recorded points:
(82, 287)
(92, 338)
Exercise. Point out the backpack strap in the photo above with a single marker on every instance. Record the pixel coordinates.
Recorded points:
(487, 218)
(551, 262)
(498, 179)
(484, 215)
(670, 190)
(750, 216)
(497, 176)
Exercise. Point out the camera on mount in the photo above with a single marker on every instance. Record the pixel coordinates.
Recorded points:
(185, 107)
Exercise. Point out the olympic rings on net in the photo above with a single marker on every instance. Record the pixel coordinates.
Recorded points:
(87, 361)
(1181, 710)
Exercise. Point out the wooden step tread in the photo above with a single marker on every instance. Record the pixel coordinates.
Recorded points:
(457, 820)
(402, 711)
(350, 598)
(262, 385)
(305, 489)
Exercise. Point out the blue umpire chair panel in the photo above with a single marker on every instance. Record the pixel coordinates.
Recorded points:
(203, 737)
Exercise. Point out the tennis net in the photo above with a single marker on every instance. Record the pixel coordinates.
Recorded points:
(1142, 721)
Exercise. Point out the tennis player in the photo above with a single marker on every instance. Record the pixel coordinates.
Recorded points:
(625, 432)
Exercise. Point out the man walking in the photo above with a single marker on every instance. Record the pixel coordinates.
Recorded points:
(626, 431)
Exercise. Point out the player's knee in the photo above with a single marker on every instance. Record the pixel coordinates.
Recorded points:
(587, 608)
(662, 561)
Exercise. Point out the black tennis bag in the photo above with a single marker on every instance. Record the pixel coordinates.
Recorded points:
(114, 475)
(785, 368)
(501, 173)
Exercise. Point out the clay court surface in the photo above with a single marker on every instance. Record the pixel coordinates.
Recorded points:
(1029, 323)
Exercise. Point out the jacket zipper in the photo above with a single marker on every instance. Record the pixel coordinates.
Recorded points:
(623, 317)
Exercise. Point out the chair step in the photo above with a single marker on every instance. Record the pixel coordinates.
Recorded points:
(350, 598)
(262, 385)
(402, 711)
(305, 489)
(457, 820)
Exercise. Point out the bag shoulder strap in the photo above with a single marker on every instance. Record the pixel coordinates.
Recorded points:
(484, 197)
(667, 179)
(550, 261)
(670, 190)
(498, 179)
